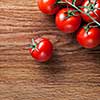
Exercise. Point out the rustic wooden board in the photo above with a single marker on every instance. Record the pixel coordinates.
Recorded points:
(72, 74)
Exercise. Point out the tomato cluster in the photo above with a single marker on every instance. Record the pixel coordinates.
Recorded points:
(81, 17)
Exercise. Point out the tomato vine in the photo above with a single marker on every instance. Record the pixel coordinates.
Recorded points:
(78, 9)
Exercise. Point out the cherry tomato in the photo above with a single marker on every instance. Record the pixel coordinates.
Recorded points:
(89, 39)
(41, 49)
(48, 6)
(77, 3)
(93, 10)
(68, 21)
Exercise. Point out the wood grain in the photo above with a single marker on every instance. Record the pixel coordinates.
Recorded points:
(73, 73)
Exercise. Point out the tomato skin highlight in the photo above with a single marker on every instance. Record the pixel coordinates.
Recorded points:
(70, 24)
(48, 6)
(97, 11)
(43, 51)
(89, 39)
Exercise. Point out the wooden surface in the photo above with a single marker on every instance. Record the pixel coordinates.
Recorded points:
(72, 74)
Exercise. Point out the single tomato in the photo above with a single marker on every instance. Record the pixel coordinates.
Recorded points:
(68, 20)
(89, 38)
(92, 8)
(48, 6)
(41, 49)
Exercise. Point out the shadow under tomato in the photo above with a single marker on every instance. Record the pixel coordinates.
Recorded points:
(54, 66)
(95, 54)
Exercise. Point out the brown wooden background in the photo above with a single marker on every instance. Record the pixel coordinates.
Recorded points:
(72, 74)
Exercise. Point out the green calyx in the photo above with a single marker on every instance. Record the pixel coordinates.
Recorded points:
(71, 13)
(33, 45)
(90, 7)
(89, 26)
(86, 28)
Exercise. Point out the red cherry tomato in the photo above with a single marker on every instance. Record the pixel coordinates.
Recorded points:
(94, 11)
(66, 21)
(89, 39)
(41, 49)
(48, 6)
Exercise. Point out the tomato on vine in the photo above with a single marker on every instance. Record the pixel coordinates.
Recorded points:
(68, 20)
(48, 6)
(91, 7)
(41, 49)
(89, 37)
